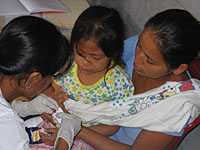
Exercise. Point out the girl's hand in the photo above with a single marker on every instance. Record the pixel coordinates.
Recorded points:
(48, 118)
(49, 137)
(58, 94)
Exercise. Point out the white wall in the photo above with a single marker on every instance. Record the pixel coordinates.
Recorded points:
(136, 12)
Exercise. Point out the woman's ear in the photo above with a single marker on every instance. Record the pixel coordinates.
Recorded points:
(30, 80)
(182, 68)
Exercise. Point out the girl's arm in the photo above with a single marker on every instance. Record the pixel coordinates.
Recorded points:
(58, 94)
(147, 140)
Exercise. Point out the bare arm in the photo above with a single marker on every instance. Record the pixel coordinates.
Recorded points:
(105, 130)
(100, 142)
(61, 145)
(49, 139)
(147, 140)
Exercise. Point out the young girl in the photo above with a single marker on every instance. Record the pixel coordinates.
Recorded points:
(96, 75)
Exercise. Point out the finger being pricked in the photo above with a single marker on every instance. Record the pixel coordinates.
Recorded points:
(51, 130)
(48, 139)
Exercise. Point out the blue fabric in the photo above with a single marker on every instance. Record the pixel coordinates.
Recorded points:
(128, 135)
(129, 54)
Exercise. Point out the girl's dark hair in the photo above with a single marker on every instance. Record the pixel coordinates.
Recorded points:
(105, 26)
(30, 43)
(177, 35)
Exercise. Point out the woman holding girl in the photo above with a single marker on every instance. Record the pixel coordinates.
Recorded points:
(165, 49)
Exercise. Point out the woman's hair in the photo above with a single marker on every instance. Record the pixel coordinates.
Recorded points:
(29, 44)
(177, 35)
(105, 27)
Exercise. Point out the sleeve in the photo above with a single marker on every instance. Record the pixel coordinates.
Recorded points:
(13, 135)
(129, 53)
(122, 86)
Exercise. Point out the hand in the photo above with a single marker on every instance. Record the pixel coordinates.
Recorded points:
(57, 93)
(48, 118)
(38, 105)
(70, 126)
(49, 136)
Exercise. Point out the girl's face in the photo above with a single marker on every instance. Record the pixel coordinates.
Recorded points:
(149, 61)
(90, 58)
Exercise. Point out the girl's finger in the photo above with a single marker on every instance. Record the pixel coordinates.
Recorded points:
(51, 130)
(48, 118)
(47, 139)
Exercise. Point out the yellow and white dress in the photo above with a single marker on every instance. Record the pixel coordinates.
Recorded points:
(113, 86)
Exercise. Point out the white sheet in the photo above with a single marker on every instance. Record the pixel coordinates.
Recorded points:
(168, 115)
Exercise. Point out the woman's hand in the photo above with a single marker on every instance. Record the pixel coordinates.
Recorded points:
(69, 128)
(57, 93)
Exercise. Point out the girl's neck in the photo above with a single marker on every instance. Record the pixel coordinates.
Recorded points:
(143, 84)
(90, 78)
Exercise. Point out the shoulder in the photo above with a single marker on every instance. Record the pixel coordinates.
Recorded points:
(72, 70)
(117, 73)
(68, 77)
(119, 82)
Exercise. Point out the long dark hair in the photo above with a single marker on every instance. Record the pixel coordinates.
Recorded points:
(105, 26)
(30, 43)
(177, 35)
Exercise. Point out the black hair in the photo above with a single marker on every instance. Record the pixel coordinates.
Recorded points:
(105, 26)
(177, 35)
(29, 43)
